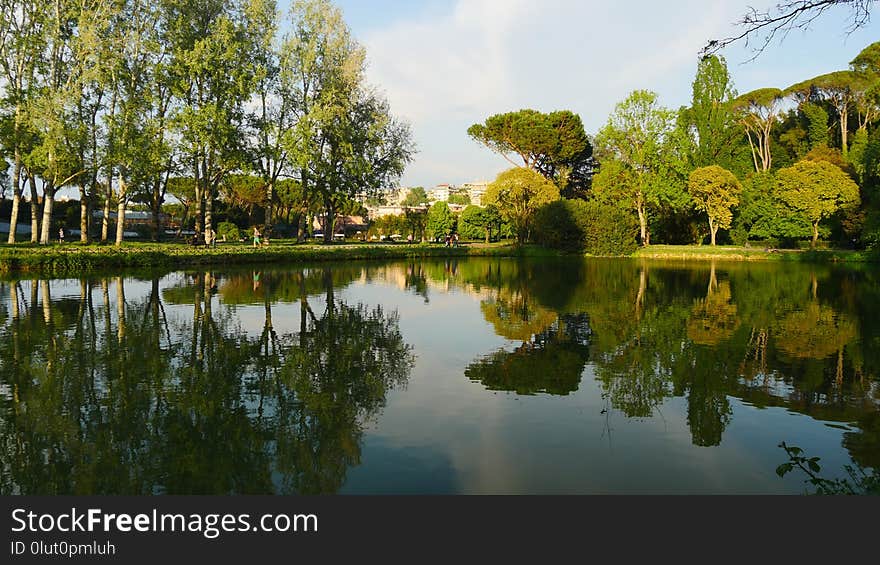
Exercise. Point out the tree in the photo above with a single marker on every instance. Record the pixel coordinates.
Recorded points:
(710, 119)
(440, 221)
(815, 190)
(346, 141)
(244, 191)
(715, 191)
(518, 193)
(867, 99)
(274, 119)
(183, 189)
(786, 16)
(634, 137)
(415, 221)
(209, 41)
(817, 124)
(833, 156)
(462, 199)
(757, 112)
(139, 154)
(553, 144)
(416, 197)
(476, 222)
(841, 89)
(21, 42)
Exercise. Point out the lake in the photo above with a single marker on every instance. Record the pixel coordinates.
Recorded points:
(560, 376)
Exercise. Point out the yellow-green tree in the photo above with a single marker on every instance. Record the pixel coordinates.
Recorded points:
(715, 191)
(815, 190)
(518, 193)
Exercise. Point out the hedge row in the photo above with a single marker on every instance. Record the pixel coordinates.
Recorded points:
(579, 226)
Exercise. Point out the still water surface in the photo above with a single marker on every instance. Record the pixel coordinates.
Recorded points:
(457, 376)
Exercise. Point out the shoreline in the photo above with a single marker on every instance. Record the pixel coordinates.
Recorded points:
(746, 254)
(78, 258)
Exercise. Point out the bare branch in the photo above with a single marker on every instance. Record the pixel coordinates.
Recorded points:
(761, 27)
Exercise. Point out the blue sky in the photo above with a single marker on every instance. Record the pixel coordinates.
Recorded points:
(445, 64)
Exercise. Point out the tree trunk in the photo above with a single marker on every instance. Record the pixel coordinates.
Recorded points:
(209, 210)
(16, 200)
(35, 210)
(329, 222)
(155, 208)
(643, 226)
(83, 215)
(108, 196)
(843, 127)
(199, 194)
(713, 230)
(815, 235)
(270, 209)
(120, 214)
(48, 200)
(487, 235)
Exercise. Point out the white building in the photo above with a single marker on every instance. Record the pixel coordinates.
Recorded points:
(375, 212)
(476, 191)
(439, 193)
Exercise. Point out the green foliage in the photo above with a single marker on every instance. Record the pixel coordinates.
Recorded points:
(715, 192)
(647, 161)
(517, 194)
(817, 124)
(551, 362)
(346, 140)
(69, 260)
(477, 222)
(815, 190)
(461, 199)
(835, 157)
(757, 112)
(440, 222)
(416, 197)
(553, 144)
(710, 120)
(859, 481)
(586, 227)
(228, 231)
(758, 216)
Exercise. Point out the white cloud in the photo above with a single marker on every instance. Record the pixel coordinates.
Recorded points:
(446, 71)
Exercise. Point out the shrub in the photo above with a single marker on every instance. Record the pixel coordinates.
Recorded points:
(586, 227)
(229, 230)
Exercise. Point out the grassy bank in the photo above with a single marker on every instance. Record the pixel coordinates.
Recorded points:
(77, 258)
(725, 253)
(65, 259)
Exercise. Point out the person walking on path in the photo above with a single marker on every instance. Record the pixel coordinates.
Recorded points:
(60, 235)
(256, 237)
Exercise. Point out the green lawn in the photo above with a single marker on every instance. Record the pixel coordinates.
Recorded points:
(78, 257)
(734, 253)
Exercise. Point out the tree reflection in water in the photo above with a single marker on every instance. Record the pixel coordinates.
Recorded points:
(121, 385)
(103, 400)
(758, 333)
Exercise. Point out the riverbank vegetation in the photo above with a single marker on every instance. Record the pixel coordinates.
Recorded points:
(771, 168)
(231, 117)
(68, 258)
(223, 103)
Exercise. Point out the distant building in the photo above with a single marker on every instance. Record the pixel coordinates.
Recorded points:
(133, 217)
(375, 212)
(345, 225)
(439, 193)
(476, 191)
